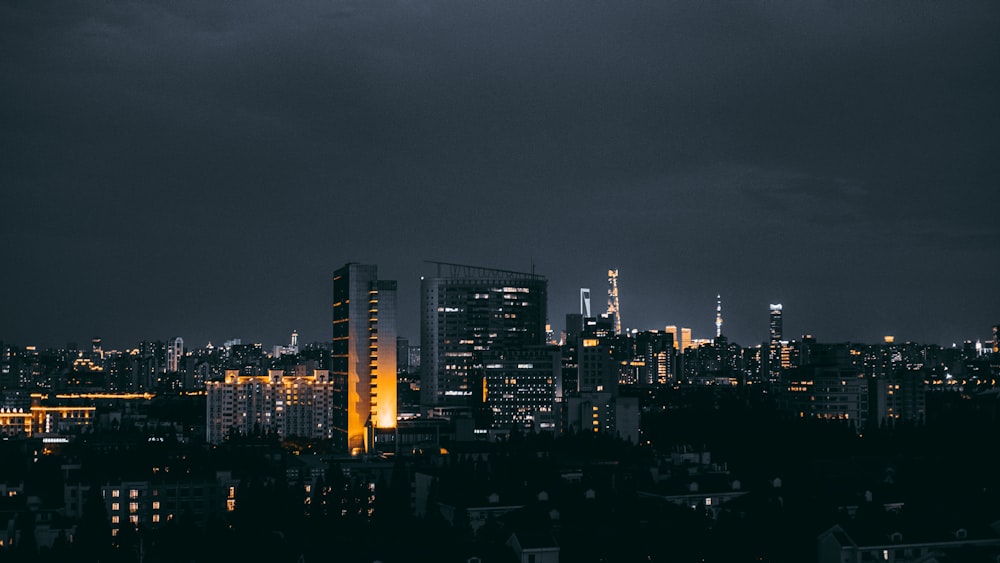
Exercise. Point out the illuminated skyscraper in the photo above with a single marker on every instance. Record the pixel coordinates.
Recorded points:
(775, 345)
(175, 351)
(718, 316)
(775, 323)
(465, 312)
(614, 311)
(364, 355)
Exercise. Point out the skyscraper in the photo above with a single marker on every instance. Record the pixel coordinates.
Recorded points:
(775, 323)
(364, 355)
(175, 351)
(775, 344)
(614, 310)
(718, 316)
(465, 312)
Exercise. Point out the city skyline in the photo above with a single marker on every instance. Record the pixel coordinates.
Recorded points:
(200, 171)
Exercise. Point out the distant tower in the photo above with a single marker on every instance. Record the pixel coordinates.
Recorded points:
(613, 311)
(175, 351)
(776, 323)
(775, 346)
(718, 316)
(295, 342)
(585, 302)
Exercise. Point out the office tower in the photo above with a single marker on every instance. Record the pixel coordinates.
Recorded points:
(996, 339)
(585, 301)
(775, 347)
(775, 323)
(364, 356)
(614, 311)
(175, 351)
(465, 312)
(523, 388)
(718, 316)
(653, 356)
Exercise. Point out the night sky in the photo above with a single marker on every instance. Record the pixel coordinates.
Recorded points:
(201, 168)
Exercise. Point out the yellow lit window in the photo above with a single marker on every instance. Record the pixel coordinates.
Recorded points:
(114, 519)
(115, 493)
(115, 506)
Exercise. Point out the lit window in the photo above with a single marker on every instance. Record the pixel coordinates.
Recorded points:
(115, 493)
(115, 506)
(114, 519)
(133, 507)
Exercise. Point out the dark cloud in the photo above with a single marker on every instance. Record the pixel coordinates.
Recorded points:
(201, 168)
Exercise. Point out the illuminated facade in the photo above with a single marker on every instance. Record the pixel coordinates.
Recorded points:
(175, 353)
(364, 356)
(48, 419)
(776, 353)
(614, 311)
(465, 312)
(653, 358)
(829, 393)
(718, 316)
(294, 405)
(523, 389)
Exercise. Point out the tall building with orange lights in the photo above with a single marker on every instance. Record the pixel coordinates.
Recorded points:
(364, 356)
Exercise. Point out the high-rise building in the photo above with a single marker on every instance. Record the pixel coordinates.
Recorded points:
(523, 388)
(614, 309)
(775, 323)
(295, 405)
(465, 312)
(718, 316)
(775, 344)
(364, 356)
(175, 351)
